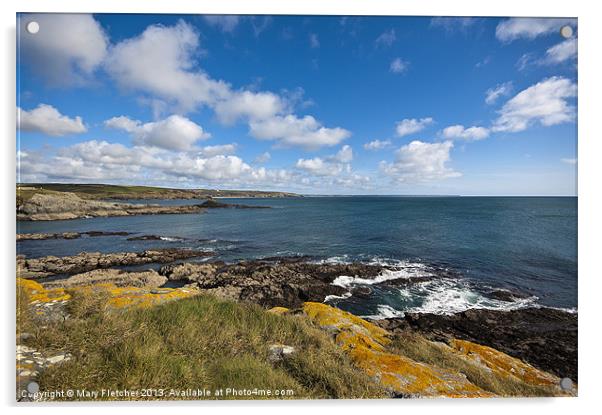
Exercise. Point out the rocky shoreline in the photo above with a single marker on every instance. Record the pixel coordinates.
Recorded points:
(65, 206)
(543, 337)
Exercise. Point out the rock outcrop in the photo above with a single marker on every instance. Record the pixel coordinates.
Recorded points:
(117, 277)
(66, 235)
(279, 283)
(543, 337)
(89, 261)
(70, 206)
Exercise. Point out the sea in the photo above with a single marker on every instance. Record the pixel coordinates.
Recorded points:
(526, 246)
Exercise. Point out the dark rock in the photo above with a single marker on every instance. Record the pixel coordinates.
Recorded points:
(89, 261)
(275, 283)
(214, 204)
(103, 233)
(362, 291)
(546, 338)
(145, 238)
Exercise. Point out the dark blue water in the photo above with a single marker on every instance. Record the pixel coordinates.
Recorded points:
(526, 244)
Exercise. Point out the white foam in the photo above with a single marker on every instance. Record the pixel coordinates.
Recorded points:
(346, 281)
(337, 297)
(385, 311)
(453, 296)
(170, 239)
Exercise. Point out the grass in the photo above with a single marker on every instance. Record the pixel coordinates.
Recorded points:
(419, 349)
(106, 191)
(200, 342)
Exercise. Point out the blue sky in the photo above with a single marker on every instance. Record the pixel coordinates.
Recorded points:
(312, 104)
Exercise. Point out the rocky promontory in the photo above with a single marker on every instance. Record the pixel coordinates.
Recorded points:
(62, 206)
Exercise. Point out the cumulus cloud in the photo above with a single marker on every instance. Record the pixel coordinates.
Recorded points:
(460, 132)
(263, 158)
(398, 65)
(101, 160)
(412, 125)
(160, 61)
(223, 149)
(500, 90)
(562, 51)
(66, 50)
(375, 145)
(329, 166)
(253, 105)
(225, 23)
(291, 130)
(174, 132)
(386, 38)
(529, 27)
(48, 120)
(419, 161)
(545, 103)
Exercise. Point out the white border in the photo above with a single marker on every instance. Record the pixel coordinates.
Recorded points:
(590, 207)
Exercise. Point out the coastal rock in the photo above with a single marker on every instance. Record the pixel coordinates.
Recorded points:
(543, 337)
(279, 283)
(63, 206)
(365, 343)
(89, 261)
(214, 204)
(117, 277)
(278, 352)
(42, 236)
(118, 296)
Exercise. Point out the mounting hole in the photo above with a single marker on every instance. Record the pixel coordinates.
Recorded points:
(33, 27)
(566, 384)
(566, 31)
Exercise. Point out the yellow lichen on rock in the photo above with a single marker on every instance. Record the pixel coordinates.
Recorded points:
(118, 297)
(366, 344)
(503, 364)
(38, 294)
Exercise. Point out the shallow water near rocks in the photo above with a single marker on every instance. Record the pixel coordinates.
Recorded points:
(526, 245)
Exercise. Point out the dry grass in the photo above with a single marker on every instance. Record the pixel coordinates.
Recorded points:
(199, 342)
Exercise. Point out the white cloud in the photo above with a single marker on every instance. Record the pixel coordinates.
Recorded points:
(48, 120)
(453, 24)
(377, 145)
(291, 130)
(174, 132)
(314, 42)
(492, 94)
(470, 134)
(386, 38)
(398, 65)
(66, 50)
(545, 102)
(529, 27)
(419, 161)
(572, 161)
(562, 51)
(329, 166)
(225, 23)
(160, 61)
(224, 149)
(412, 125)
(254, 105)
(263, 158)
